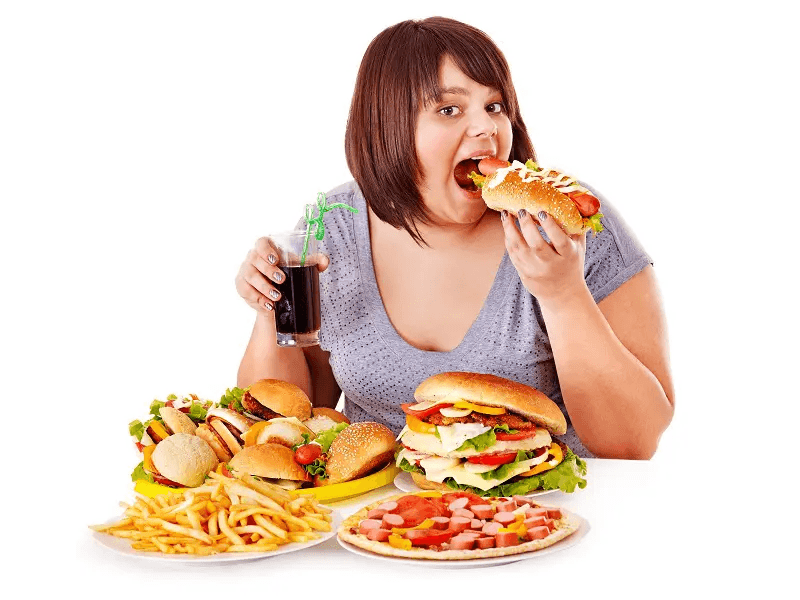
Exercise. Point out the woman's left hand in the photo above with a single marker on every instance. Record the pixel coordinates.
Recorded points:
(551, 272)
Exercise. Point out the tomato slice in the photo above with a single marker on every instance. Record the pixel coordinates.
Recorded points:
(493, 459)
(427, 539)
(520, 435)
(421, 414)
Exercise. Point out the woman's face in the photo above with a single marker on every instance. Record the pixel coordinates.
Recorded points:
(470, 121)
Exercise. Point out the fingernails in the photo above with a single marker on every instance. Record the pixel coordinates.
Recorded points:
(503, 214)
(272, 259)
(277, 276)
(268, 306)
(542, 216)
(522, 212)
(274, 294)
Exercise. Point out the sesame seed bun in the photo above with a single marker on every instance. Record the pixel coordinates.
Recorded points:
(177, 421)
(272, 461)
(185, 459)
(358, 450)
(491, 390)
(282, 397)
(514, 194)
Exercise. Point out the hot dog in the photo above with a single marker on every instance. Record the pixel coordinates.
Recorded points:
(516, 186)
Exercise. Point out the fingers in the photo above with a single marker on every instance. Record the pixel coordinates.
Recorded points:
(323, 262)
(532, 236)
(257, 276)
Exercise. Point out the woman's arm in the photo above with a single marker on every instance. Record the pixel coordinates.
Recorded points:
(612, 360)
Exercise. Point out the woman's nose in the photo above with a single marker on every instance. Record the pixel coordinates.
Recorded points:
(481, 124)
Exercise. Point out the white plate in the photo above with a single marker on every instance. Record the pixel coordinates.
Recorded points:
(123, 546)
(568, 542)
(405, 483)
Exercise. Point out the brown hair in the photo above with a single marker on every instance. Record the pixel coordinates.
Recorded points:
(398, 77)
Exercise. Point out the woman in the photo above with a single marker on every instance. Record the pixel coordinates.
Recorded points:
(426, 279)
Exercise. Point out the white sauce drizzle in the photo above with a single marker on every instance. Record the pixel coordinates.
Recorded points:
(563, 183)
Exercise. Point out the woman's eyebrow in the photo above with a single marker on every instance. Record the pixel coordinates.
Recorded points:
(455, 91)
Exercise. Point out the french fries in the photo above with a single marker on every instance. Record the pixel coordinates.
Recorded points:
(224, 515)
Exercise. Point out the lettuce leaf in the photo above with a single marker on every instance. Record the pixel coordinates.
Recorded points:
(197, 412)
(532, 165)
(565, 477)
(325, 438)
(594, 223)
(502, 471)
(317, 468)
(411, 468)
(479, 442)
(155, 405)
(140, 473)
(232, 399)
(136, 429)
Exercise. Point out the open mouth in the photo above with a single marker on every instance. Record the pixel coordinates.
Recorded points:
(461, 174)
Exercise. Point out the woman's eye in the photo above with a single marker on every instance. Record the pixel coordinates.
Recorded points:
(449, 111)
(495, 107)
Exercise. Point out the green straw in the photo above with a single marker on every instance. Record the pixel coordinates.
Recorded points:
(319, 226)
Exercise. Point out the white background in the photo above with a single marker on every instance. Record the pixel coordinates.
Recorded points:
(145, 146)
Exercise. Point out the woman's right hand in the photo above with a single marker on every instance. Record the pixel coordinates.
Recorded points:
(259, 273)
(257, 276)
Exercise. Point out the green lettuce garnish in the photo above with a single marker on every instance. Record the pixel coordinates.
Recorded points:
(485, 440)
(325, 438)
(317, 468)
(155, 406)
(411, 468)
(140, 473)
(532, 165)
(594, 223)
(232, 399)
(136, 429)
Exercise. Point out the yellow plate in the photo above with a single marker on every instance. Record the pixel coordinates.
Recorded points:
(340, 491)
(326, 493)
(151, 490)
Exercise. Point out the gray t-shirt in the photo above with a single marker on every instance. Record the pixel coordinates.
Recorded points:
(378, 371)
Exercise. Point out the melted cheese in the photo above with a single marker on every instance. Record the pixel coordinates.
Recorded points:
(464, 477)
(454, 436)
(428, 443)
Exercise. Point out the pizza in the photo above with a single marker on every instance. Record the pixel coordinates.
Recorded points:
(456, 526)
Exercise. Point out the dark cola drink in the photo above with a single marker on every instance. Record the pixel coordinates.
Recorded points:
(297, 316)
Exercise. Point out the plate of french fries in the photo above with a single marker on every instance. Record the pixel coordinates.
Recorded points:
(223, 520)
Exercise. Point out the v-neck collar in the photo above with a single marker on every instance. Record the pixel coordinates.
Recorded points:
(377, 309)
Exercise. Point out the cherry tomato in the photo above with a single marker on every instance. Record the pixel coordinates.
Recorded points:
(225, 471)
(520, 435)
(305, 455)
(493, 459)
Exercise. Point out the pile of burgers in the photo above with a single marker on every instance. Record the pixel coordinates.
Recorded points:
(268, 430)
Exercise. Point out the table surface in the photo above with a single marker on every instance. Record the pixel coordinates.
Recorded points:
(645, 530)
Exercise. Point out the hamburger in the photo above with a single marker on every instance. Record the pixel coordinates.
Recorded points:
(516, 186)
(273, 463)
(486, 435)
(358, 450)
(269, 399)
(176, 415)
(180, 460)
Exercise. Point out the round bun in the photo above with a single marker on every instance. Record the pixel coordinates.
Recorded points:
(491, 390)
(205, 433)
(185, 459)
(426, 484)
(513, 194)
(282, 397)
(333, 415)
(324, 418)
(269, 460)
(358, 450)
(177, 421)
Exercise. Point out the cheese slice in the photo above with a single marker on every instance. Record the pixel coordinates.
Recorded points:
(453, 436)
(464, 477)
